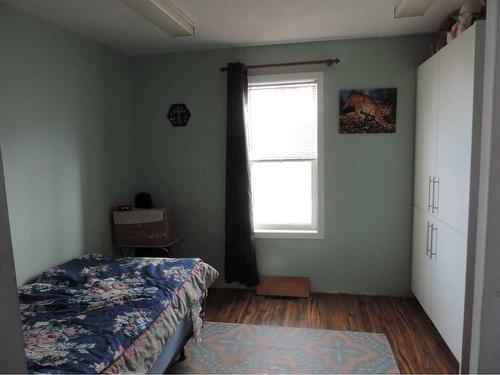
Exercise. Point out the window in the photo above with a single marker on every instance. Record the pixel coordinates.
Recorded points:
(285, 152)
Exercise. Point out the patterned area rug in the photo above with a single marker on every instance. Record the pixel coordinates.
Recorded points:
(243, 348)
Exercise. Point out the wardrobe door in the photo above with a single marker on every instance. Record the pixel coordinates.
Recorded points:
(448, 285)
(426, 130)
(422, 267)
(456, 89)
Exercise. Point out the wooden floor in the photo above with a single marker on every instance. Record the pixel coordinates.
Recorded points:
(416, 344)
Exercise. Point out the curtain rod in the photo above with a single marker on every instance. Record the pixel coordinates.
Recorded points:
(328, 62)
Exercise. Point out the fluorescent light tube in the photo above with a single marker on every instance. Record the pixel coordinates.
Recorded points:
(411, 8)
(164, 14)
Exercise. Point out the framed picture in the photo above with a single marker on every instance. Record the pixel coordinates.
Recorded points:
(367, 111)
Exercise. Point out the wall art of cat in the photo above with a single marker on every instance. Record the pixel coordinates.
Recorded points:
(367, 111)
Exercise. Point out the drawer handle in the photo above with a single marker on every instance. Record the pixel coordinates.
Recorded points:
(434, 241)
(435, 195)
(427, 250)
(429, 205)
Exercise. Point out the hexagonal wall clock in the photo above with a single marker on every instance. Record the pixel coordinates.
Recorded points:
(178, 114)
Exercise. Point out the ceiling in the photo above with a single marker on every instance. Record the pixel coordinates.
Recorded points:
(229, 23)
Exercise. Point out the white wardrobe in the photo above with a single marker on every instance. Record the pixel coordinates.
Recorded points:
(448, 122)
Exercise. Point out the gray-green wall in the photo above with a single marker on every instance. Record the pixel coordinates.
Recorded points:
(74, 146)
(368, 178)
(67, 138)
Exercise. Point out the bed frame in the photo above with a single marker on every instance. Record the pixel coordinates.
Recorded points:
(174, 350)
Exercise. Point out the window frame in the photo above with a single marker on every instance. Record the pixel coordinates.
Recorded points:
(317, 230)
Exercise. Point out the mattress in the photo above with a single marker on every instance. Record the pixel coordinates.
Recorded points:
(100, 314)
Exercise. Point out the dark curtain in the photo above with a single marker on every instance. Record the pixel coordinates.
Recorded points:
(241, 263)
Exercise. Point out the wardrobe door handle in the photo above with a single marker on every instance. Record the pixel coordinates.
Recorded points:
(435, 197)
(434, 240)
(427, 250)
(429, 205)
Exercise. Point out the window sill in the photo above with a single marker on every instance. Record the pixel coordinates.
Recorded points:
(289, 234)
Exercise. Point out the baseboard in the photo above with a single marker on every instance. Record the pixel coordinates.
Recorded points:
(236, 286)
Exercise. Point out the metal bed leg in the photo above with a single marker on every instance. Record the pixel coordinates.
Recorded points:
(182, 355)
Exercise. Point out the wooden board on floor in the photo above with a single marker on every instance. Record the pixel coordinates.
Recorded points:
(280, 286)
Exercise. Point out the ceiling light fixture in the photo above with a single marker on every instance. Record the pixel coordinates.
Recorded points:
(411, 8)
(164, 14)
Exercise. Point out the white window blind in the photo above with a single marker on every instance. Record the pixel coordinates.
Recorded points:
(284, 121)
(283, 152)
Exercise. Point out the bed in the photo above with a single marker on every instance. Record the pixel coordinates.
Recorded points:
(100, 314)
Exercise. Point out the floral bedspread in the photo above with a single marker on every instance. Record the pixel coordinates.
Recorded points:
(85, 315)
